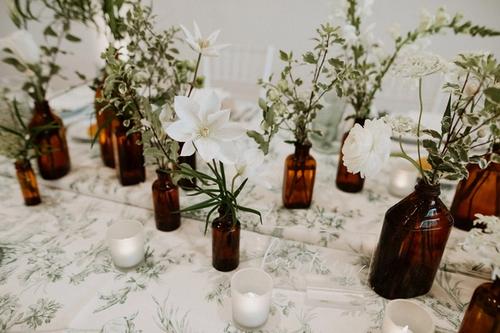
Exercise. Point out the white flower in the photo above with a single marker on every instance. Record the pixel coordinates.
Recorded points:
(23, 45)
(205, 127)
(426, 20)
(349, 34)
(366, 149)
(205, 46)
(417, 65)
(248, 162)
(442, 17)
(401, 124)
(395, 30)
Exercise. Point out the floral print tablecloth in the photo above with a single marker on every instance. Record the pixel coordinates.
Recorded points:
(56, 274)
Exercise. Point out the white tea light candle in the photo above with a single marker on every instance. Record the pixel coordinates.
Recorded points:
(406, 316)
(402, 179)
(126, 243)
(251, 293)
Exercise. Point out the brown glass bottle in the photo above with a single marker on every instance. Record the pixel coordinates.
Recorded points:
(27, 181)
(298, 178)
(166, 202)
(129, 160)
(411, 244)
(104, 123)
(479, 193)
(186, 183)
(54, 161)
(483, 312)
(347, 181)
(225, 242)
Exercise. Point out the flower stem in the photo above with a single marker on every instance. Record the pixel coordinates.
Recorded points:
(195, 75)
(419, 124)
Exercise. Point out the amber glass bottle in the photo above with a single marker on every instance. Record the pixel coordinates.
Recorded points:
(346, 181)
(483, 313)
(225, 242)
(129, 160)
(104, 123)
(479, 193)
(186, 183)
(411, 244)
(27, 181)
(166, 202)
(54, 161)
(298, 179)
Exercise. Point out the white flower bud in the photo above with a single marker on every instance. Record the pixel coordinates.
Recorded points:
(471, 88)
(442, 17)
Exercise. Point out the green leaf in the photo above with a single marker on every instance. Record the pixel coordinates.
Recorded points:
(283, 55)
(14, 62)
(433, 133)
(73, 38)
(309, 58)
(493, 94)
(48, 31)
(259, 139)
(262, 104)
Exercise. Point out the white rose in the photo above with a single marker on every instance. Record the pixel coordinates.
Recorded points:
(366, 149)
(23, 45)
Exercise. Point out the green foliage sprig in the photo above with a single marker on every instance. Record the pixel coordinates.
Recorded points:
(470, 126)
(17, 139)
(287, 105)
(61, 16)
(366, 81)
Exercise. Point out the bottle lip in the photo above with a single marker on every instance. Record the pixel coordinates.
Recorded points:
(423, 187)
(22, 163)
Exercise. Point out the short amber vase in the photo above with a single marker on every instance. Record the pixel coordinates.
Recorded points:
(166, 202)
(298, 178)
(54, 161)
(129, 160)
(347, 181)
(28, 183)
(411, 244)
(225, 242)
(479, 193)
(104, 117)
(483, 313)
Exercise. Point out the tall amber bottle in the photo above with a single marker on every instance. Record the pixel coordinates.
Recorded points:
(129, 160)
(479, 193)
(225, 242)
(346, 181)
(54, 161)
(483, 312)
(186, 183)
(104, 123)
(166, 202)
(298, 178)
(27, 181)
(411, 244)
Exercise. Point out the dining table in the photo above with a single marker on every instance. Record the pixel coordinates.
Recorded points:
(57, 275)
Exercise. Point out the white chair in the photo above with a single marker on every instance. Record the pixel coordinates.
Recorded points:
(237, 70)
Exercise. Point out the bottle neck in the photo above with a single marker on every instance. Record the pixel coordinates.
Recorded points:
(424, 189)
(42, 107)
(360, 121)
(302, 150)
(22, 165)
(163, 176)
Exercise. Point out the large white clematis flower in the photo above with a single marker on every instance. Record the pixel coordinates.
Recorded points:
(205, 46)
(204, 127)
(23, 45)
(366, 149)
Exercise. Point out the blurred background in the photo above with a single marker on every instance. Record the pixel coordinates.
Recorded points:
(257, 29)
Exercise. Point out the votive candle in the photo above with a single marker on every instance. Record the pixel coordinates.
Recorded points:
(126, 243)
